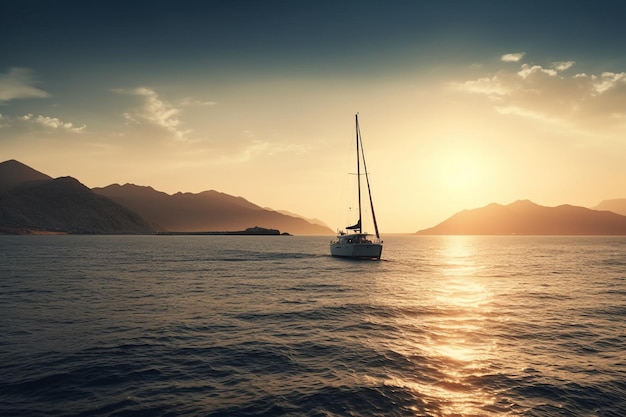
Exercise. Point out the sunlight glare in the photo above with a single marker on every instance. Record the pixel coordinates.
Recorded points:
(460, 170)
(456, 342)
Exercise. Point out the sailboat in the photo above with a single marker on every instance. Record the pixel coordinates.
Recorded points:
(356, 243)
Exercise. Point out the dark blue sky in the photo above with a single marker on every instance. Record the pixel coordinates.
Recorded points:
(292, 35)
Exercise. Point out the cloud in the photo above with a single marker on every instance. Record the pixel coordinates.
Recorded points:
(19, 83)
(229, 147)
(563, 65)
(52, 123)
(608, 81)
(528, 71)
(528, 113)
(490, 86)
(581, 102)
(188, 101)
(248, 145)
(157, 112)
(516, 57)
(253, 148)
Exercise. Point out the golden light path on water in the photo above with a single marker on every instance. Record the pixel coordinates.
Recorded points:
(458, 342)
(445, 336)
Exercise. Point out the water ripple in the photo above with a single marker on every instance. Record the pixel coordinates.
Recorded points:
(206, 326)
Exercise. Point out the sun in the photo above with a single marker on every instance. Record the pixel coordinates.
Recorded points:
(461, 171)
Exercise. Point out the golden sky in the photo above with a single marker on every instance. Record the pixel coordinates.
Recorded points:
(457, 109)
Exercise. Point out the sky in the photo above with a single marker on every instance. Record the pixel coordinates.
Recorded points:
(461, 103)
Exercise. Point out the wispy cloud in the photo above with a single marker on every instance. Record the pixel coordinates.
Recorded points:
(19, 83)
(188, 101)
(516, 57)
(547, 94)
(52, 123)
(157, 112)
(528, 113)
(491, 86)
(249, 145)
(608, 81)
(563, 65)
(528, 71)
(254, 148)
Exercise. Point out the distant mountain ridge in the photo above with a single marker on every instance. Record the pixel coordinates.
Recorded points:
(14, 173)
(31, 201)
(289, 213)
(616, 205)
(204, 211)
(524, 217)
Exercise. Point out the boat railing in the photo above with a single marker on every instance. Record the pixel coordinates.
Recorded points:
(359, 240)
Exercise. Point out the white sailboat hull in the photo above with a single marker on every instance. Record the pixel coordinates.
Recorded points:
(356, 246)
(357, 251)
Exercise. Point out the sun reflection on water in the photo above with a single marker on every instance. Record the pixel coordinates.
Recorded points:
(459, 343)
(454, 342)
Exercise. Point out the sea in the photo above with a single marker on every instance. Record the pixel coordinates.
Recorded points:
(275, 326)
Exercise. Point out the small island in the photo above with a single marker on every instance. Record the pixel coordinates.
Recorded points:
(250, 231)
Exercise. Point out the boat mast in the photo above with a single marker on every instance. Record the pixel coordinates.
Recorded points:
(369, 191)
(358, 168)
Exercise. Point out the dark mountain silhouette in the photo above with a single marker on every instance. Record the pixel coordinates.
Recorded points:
(288, 213)
(31, 201)
(616, 205)
(527, 218)
(205, 211)
(63, 205)
(14, 173)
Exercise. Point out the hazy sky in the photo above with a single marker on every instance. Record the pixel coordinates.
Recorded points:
(462, 103)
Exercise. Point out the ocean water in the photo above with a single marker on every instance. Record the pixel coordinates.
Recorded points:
(274, 326)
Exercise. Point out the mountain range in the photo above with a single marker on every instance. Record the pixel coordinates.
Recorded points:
(616, 205)
(33, 202)
(524, 217)
(205, 211)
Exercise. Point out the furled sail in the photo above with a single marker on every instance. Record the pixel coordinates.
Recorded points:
(355, 227)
